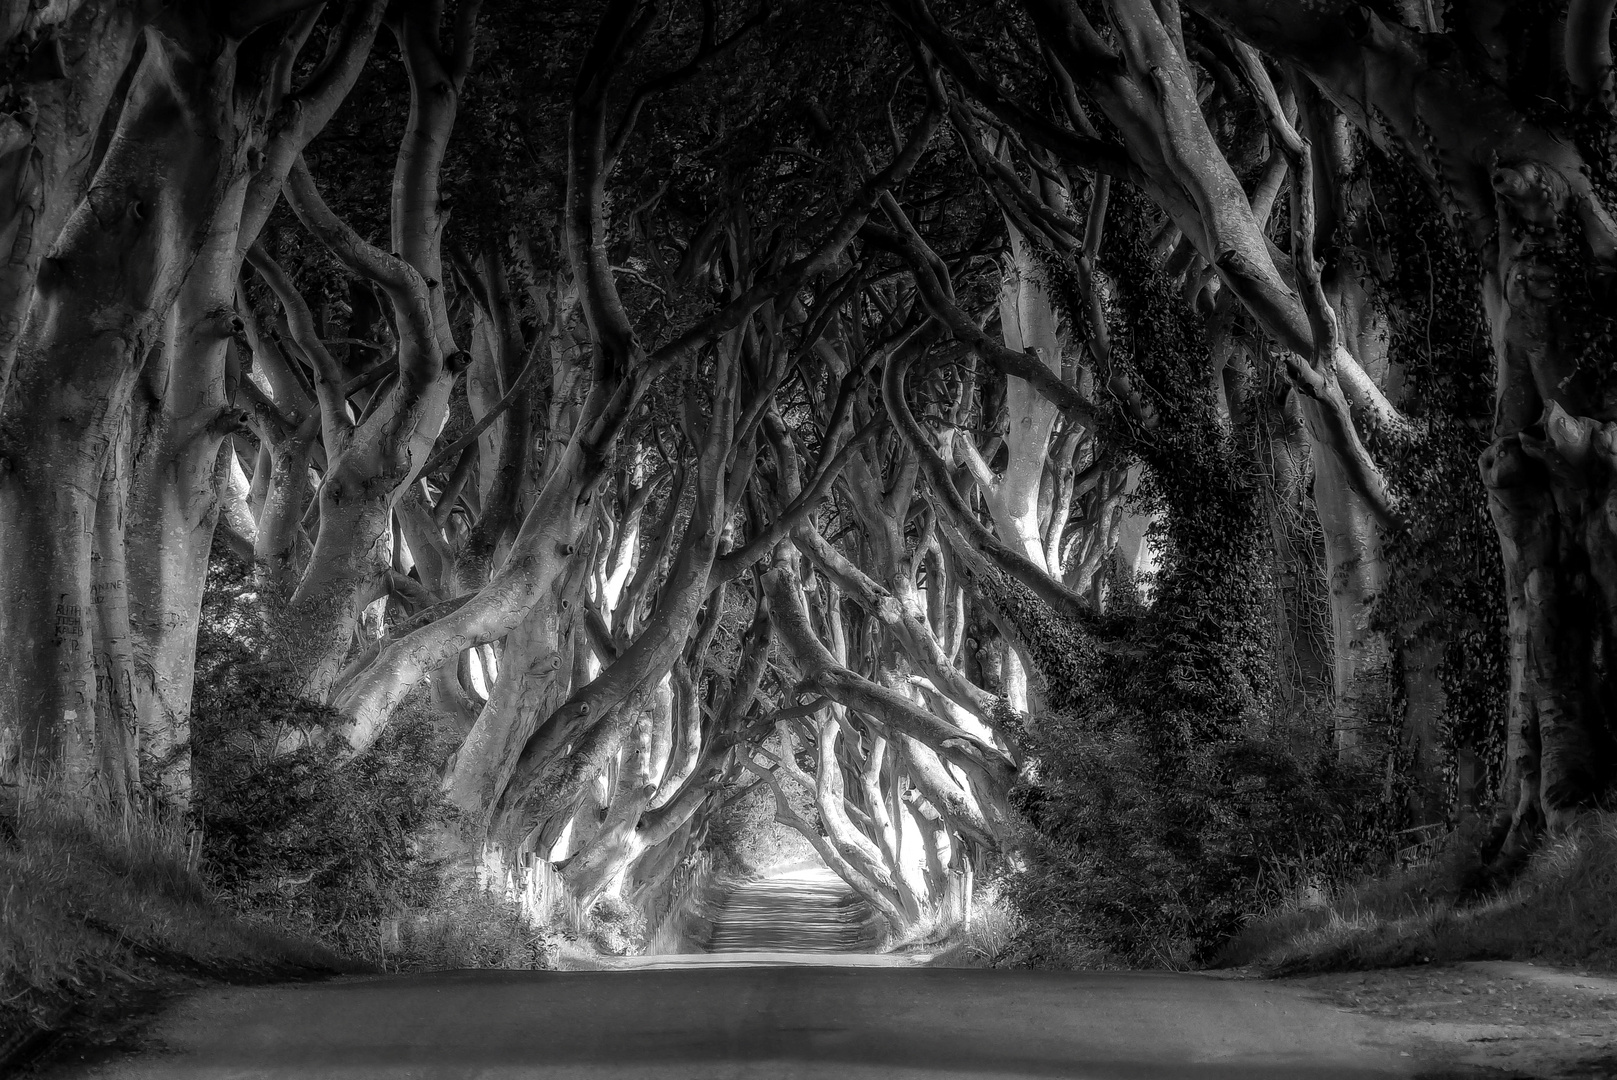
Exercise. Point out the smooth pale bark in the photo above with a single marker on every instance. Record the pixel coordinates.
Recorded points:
(544, 781)
(115, 268)
(369, 464)
(176, 498)
(637, 823)
(880, 787)
(830, 797)
(175, 501)
(1144, 84)
(680, 750)
(372, 462)
(47, 142)
(534, 678)
(1028, 323)
(121, 747)
(598, 867)
(541, 553)
(786, 815)
(901, 613)
(990, 771)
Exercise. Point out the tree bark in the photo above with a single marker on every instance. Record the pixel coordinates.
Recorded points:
(116, 267)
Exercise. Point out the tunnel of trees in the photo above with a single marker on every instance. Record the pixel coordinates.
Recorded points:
(1160, 452)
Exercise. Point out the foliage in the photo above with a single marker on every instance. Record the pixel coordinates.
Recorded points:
(469, 926)
(745, 838)
(290, 827)
(1445, 579)
(1142, 867)
(1169, 801)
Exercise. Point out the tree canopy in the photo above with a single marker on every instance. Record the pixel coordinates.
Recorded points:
(1157, 452)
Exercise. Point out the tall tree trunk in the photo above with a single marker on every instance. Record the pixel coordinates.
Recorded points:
(118, 736)
(114, 271)
(175, 500)
(1355, 570)
(47, 142)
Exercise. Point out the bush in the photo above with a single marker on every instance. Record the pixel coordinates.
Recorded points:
(469, 926)
(292, 826)
(1128, 865)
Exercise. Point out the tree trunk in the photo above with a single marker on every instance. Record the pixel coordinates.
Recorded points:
(1356, 572)
(118, 737)
(115, 269)
(175, 501)
(46, 147)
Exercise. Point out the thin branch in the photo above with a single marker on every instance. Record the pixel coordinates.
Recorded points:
(941, 481)
(707, 54)
(437, 460)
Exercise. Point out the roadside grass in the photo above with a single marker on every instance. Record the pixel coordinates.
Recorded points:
(986, 939)
(1558, 910)
(96, 904)
(471, 927)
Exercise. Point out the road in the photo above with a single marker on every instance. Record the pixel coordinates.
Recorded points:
(779, 1022)
(798, 1010)
(809, 911)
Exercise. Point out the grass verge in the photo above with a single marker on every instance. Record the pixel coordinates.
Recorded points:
(102, 914)
(1558, 910)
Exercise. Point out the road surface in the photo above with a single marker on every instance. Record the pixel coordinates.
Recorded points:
(805, 911)
(772, 1008)
(780, 1023)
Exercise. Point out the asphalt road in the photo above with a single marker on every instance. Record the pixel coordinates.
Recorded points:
(711, 1022)
(783, 1000)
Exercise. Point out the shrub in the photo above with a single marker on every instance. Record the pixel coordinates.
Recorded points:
(292, 826)
(470, 926)
(1130, 865)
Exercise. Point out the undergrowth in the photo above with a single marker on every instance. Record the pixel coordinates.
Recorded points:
(1557, 910)
(335, 845)
(95, 903)
(986, 938)
(470, 926)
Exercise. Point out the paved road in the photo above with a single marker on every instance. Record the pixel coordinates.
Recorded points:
(806, 911)
(770, 1009)
(779, 1023)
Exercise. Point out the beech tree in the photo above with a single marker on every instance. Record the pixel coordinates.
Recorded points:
(1000, 431)
(162, 192)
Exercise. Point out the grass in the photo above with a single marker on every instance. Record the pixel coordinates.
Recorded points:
(1558, 910)
(471, 926)
(986, 939)
(97, 904)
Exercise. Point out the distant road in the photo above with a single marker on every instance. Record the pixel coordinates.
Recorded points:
(799, 911)
(710, 1022)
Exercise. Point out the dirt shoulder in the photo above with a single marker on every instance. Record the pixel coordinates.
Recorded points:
(1489, 1019)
